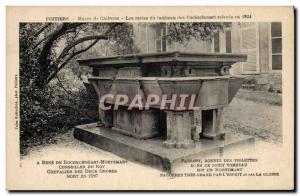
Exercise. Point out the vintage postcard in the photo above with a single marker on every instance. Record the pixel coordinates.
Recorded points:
(150, 98)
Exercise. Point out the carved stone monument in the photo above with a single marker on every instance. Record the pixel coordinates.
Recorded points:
(161, 133)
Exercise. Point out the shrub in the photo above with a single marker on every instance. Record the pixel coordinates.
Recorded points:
(52, 110)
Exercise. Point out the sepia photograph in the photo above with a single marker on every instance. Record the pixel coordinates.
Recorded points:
(172, 101)
(230, 71)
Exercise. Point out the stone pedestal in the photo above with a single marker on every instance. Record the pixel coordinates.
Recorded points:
(105, 118)
(196, 124)
(203, 77)
(102, 86)
(163, 135)
(179, 130)
(152, 152)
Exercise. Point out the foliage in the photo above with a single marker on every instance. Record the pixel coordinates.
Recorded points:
(50, 98)
(56, 44)
(183, 32)
(46, 108)
(46, 113)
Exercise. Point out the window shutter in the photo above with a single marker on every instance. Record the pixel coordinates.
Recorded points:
(249, 46)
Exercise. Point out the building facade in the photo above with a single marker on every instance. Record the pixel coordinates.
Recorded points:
(262, 42)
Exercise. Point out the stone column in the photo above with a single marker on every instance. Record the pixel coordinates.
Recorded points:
(105, 116)
(196, 124)
(102, 86)
(215, 132)
(219, 128)
(179, 130)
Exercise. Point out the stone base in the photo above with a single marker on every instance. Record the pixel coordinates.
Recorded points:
(220, 136)
(174, 144)
(152, 151)
(137, 136)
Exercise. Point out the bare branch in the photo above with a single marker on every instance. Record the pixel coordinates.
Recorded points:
(61, 30)
(48, 44)
(65, 51)
(78, 41)
(42, 29)
(70, 57)
(45, 38)
(37, 44)
(46, 64)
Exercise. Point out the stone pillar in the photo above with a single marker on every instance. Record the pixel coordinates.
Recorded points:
(214, 131)
(219, 128)
(106, 118)
(179, 130)
(102, 87)
(196, 124)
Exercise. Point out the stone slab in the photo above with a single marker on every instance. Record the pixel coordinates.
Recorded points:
(151, 151)
(176, 57)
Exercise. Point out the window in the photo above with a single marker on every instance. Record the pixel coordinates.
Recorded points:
(160, 42)
(228, 41)
(216, 38)
(221, 42)
(276, 41)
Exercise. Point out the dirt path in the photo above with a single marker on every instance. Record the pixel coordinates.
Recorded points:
(254, 118)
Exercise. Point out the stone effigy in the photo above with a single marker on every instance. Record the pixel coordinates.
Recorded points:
(175, 98)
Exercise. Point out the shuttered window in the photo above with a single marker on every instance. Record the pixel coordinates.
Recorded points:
(249, 46)
(276, 41)
(216, 42)
(222, 42)
(160, 36)
(228, 41)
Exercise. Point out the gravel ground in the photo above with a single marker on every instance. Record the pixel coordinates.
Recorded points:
(257, 119)
(260, 96)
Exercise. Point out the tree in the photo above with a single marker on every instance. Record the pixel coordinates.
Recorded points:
(49, 47)
(44, 50)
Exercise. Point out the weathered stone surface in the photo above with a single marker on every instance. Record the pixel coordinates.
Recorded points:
(129, 72)
(210, 64)
(196, 124)
(152, 152)
(213, 94)
(127, 87)
(107, 72)
(179, 130)
(138, 124)
(102, 86)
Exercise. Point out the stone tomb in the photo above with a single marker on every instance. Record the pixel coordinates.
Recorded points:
(168, 130)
